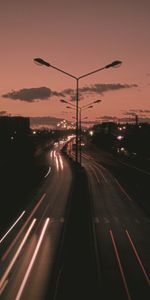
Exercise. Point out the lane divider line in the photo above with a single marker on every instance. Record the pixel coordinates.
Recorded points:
(11, 264)
(12, 226)
(122, 189)
(137, 257)
(19, 294)
(120, 265)
(24, 225)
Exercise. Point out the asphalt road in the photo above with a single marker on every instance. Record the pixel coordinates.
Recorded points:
(122, 234)
(29, 248)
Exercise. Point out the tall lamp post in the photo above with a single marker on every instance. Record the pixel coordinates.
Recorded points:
(40, 61)
(84, 107)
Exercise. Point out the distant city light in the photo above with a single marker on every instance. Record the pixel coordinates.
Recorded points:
(91, 132)
(119, 137)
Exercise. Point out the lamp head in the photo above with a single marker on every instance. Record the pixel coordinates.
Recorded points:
(114, 64)
(41, 61)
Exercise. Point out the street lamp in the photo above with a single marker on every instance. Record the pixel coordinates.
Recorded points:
(41, 61)
(84, 107)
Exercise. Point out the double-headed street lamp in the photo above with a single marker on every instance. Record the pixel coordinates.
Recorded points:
(40, 61)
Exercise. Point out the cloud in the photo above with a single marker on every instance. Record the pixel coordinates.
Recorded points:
(97, 88)
(139, 112)
(33, 94)
(44, 93)
(29, 95)
(46, 120)
(3, 113)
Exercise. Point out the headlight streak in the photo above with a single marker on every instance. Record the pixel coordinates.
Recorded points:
(24, 225)
(49, 170)
(57, 163)
(11, 264)
(12, 226)
(51, 154)
(61, 162)
(19, 294)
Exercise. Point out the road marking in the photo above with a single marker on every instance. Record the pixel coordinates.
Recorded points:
(129, 198)
(120, 266)
(116, 219)
(19, 233)
(137, 256)
(138, 169)
(49, 170)
(11, 264)
(12, 226)
(137, 221)
(106, 220)
(96, 220)
(19, 294)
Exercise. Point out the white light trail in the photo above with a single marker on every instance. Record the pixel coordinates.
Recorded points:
(19, 233)
(19, 294)
(51, 154)
(10, 266)
(61, 162)
(57, 163)
(49, 170)
(12, 226)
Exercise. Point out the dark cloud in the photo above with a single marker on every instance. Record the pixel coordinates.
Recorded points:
(57, 94)
(131, 118)
(33, 94)
(43, 93)
(97, 89)
(3, 113)
(46, 120)
(30, 95)
(140, 112)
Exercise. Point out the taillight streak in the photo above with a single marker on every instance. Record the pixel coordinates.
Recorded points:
(137, 257)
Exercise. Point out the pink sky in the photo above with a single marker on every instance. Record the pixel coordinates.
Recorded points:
(78, 37)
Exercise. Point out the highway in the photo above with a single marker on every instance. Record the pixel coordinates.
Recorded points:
(29, 248)
(121, 233)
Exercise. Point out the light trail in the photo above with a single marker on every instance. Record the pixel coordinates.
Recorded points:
(61, 162)
(19, 233)
(12, 226)
(91, 167)
(19, 294)
(51, 154)
(49, 170)
(137, 257)
(97, 166)
(120, 266)
(57, 163)
(3, 287)
(11, 264)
